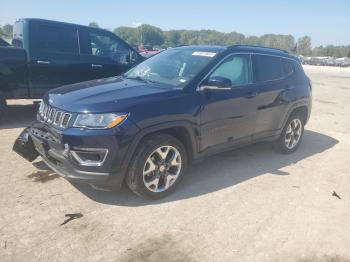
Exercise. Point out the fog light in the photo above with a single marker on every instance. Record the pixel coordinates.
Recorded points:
(89, 156)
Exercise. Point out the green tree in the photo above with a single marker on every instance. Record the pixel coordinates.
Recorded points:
(304, 46)
(154, 36)
(94, 24)
(234, 38)
(7, 31)
(285, 42)
(189, 37)
(129, 34)
(172, 37)
(150, 35)
(252, 40)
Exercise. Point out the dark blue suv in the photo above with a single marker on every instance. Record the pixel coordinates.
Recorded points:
(186, 103)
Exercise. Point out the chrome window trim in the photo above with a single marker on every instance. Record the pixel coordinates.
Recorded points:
(251, 68)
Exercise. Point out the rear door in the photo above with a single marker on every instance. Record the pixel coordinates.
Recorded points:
(54, 56)
(104, 54)
(273, 79)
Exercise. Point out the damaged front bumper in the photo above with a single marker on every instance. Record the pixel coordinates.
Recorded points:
(71, 156)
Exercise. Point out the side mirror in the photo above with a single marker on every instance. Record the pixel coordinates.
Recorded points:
(217, 83)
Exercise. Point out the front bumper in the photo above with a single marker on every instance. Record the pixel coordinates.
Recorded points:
(57, 150)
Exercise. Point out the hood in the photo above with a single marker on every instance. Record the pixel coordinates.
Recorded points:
(114, 94)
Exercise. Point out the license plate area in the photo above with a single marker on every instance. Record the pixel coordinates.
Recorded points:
(40, 147)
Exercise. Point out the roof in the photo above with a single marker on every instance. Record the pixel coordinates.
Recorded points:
(242, 48)
(208, 48)
(264, 50)
(53, 21)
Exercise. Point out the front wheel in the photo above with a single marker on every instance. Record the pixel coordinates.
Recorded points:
(157, 166)
(291, 135)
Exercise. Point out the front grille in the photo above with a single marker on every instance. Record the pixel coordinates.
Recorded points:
(54, 116)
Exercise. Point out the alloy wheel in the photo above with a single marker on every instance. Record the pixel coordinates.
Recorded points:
(293, 133)
(162, 168)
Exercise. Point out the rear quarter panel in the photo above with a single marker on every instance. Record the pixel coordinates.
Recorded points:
(300, 95)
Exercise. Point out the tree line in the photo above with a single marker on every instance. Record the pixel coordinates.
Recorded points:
(149, 35)
(156, 37)
(6, 31)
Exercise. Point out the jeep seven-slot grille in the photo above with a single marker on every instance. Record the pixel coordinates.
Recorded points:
(54, 116)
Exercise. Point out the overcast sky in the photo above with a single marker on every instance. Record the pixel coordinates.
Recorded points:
(327, 22)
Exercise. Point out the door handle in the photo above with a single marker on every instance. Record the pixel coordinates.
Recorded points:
(43, 62)
(96, 66)
(289, 87)
(251, 95)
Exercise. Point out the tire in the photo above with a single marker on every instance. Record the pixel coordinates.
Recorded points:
(157, 167)
(293, 130)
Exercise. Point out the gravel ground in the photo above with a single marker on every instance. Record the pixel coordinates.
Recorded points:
(246, 205)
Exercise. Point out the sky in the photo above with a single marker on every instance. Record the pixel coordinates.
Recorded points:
(325, 21)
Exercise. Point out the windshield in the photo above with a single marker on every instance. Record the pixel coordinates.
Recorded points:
(173, 67)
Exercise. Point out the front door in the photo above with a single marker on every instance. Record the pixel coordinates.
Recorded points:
(230, 115)
(104, 54)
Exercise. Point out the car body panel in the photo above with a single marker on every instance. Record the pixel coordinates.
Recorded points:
(13, 72)
(228, 115)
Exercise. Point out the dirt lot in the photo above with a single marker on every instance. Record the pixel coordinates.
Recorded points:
(246, 205)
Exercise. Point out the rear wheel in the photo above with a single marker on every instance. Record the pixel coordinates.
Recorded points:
(157, 166)
(291, 135)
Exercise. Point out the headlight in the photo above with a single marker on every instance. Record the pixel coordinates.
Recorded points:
(99, 121)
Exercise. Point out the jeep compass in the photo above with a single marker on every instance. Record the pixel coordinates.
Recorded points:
(146, 126)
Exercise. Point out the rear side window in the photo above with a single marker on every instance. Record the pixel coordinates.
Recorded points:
(266, 68)
(55, 38)
(287, 67)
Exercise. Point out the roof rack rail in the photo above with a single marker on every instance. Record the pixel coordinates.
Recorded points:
(262, 47)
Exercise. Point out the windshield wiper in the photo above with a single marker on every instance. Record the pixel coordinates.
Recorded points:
(140, 79)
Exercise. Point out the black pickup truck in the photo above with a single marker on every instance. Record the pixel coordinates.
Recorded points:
(47, 54)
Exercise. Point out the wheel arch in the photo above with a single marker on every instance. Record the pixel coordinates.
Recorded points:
(182, 130)
(302, 110)
(303, 107)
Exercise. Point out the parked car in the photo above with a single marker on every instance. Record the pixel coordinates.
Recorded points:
(147, 51)
(342, 61)
(48, 54)
(177, 107)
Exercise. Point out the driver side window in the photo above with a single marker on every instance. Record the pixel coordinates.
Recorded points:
(105, 45)
(234, 68)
